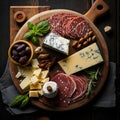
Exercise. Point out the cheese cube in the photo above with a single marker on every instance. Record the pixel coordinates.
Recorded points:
(34, 80)
(37, 72)
(18, 75)
(36, 86)
(82, 59)
(33, 93)
(57, 43)
(44, 74)
(25, 84)
(35, 63)
(45, 80)
(40, 92)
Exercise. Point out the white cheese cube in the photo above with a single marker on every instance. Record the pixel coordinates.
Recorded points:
(33, 93)
(37, 72)
(35, 63)
(82, 59)
(34, 80)
(18, 75)
(57, 43)
(25, 84)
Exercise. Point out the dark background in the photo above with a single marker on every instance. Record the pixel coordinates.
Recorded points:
(111, 18)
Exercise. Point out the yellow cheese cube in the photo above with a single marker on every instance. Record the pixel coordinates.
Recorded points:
(34, 80)
(33, 93)
(25, 84)
(36, 86)
(44, 74)
(45, 80)
(40, 92)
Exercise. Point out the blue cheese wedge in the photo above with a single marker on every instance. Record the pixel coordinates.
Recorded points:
(82, 59)
(57, 43)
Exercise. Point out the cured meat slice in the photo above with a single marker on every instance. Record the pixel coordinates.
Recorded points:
(70, 89)
(82, 28)
(82, 85)
(53, 20)
(64, 21)
(56, 21)
(63, 89)
(71, 26)
(72, 86)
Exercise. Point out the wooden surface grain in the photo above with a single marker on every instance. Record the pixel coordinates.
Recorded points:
(29, 11)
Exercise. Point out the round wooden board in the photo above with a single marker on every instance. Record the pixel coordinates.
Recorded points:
(100, 40)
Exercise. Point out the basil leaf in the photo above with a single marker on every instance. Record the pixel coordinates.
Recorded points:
(30, 25)
(35, 40)
(42, 24)
(28, 35)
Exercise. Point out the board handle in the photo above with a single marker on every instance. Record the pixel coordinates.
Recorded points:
(98, 8)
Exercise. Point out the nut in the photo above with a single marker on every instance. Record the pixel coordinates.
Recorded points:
(107, 29)
(38, 50)
(90, 33)
(81, 40)
(93, 38)
(74, 44)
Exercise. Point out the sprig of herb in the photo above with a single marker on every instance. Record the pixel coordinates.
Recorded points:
(93, 77)
(20, 101)
(36, 31)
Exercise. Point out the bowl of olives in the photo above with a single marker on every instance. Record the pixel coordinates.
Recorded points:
(20, 52)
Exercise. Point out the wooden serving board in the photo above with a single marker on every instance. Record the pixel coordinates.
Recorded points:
(95, 12)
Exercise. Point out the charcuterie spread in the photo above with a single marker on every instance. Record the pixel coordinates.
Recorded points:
(67, 63)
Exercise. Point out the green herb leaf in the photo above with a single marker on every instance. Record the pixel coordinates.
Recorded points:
(30, 25)
(35, 41)
(24, 102)
(93, 77)
(17, 100)
(28, 35)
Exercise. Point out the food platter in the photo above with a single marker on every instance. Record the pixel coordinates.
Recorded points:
(100, 42)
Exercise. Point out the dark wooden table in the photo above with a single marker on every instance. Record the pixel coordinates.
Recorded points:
(87, 112)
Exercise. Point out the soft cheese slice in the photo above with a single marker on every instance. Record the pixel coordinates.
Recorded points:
(57, 43)
(82, 59)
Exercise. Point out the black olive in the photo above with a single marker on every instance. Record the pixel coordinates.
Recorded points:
(27, 50)
(22, 53)
(14, 52)
(23, 60)
(21, 47)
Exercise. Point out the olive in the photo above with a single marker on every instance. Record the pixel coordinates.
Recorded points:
(14, 52)
(23, 59)
(27, 50)
(16, 58)
(21, 47)
(22, 53)
(16, 45)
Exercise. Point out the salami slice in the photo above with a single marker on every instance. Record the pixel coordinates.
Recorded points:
(71, 26)
(82, 28)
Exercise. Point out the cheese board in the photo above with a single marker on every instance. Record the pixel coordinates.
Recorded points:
(63, 66)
